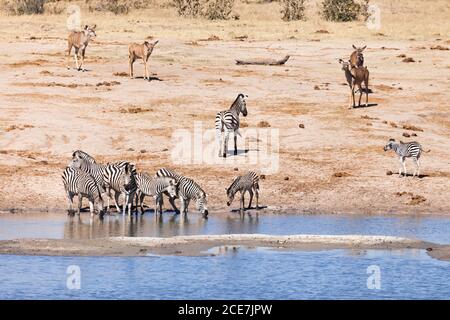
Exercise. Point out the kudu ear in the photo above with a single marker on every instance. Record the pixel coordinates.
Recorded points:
(86, 27)
(363, 48)
(154, 43)
(353, 46)
(392, 140)
(94, 26)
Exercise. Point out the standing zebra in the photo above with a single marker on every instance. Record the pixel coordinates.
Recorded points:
(120, 177)
(78, 182)
(148, 186)
(187, 189)
(228, 121)
(83, 155)
(406, 150)
(248, 182)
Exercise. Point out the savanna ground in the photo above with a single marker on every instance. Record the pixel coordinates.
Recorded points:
(335, 164)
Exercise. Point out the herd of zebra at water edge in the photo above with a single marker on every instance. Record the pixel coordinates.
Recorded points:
(87, 178)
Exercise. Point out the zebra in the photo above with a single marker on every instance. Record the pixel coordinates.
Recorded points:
(86, 163)
(120, 177)
(248, 182)
(406, 150)
(83, 155)
(228, 121)
(78, 182)
(187, 189)
(148, 186)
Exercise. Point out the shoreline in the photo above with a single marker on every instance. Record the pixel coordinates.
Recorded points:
(197, 245)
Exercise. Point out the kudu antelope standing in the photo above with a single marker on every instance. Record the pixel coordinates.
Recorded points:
(141, 51)
(79, 40)
(357, 58)
(355, 77)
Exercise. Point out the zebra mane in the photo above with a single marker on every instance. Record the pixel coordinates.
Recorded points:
(237, 102)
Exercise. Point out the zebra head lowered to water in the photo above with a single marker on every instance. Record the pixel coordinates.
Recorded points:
(406, 150)
(187, 189)
(228, 121)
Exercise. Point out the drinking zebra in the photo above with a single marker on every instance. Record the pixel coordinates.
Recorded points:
(248, 182)
(78, 182)
(188, 190)
(228, 121)
(406, 150)
(120, 177)
(148, 186)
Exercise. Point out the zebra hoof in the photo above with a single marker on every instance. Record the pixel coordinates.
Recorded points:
(224, 155)
(235, 152)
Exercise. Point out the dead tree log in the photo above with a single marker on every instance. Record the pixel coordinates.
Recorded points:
(265, 62)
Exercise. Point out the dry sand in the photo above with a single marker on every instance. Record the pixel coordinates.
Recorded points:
(335, 164)
(199, 244)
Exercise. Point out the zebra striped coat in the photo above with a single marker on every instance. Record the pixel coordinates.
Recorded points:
(148, 186)
(406, 150)
(228, 121)
(78, 182)
(188, 190)
(246, 183)
(120, 177)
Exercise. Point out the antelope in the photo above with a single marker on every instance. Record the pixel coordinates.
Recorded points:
(355, 77)
(141, 51)
(357, 58)
(79, 40)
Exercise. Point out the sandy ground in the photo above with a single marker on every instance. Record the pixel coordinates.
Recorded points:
(335, 164)
(200, 244)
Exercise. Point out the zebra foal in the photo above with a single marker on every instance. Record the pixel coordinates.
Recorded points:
(78, 182)
(188, 190)
(155, 187)
(248, 182)
(228, 121)
(406, 150)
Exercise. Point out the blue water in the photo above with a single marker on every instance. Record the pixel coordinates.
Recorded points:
(245, 274)
(242, 274)
(430, 228)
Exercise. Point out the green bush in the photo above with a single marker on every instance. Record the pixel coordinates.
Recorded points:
(218, 9)
(188, 8)
(341, 10)
(293, 9)
(19, 7)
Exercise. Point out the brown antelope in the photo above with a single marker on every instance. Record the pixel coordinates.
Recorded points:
(79, 40)
(355, 77)
(357, 58)
(141, 51)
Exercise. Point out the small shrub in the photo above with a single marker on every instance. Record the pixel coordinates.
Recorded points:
(20, 7)
(55, 7)
(293, 9)
(188, 8)
(218, 9)
(341, 10)
(114, 6)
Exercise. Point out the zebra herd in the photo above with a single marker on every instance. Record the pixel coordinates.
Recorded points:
(85, 178)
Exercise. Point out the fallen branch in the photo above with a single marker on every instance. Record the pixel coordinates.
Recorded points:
(266, 62)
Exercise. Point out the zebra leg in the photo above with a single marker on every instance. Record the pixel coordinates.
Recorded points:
(80, 201)
(241, 209)
(219, 140)
(418, 168)
(141, 202)
(91, 207)
(257, 198)
(235, 143)
(404, 166)
(225, 143)
(251, 198)
(116, 200)
(70, 196)
(186, 207)
(125, 202)
(172, 203)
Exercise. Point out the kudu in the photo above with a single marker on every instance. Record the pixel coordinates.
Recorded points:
(141, 51)
(355, 77)
(79, 40)
(357, 58)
